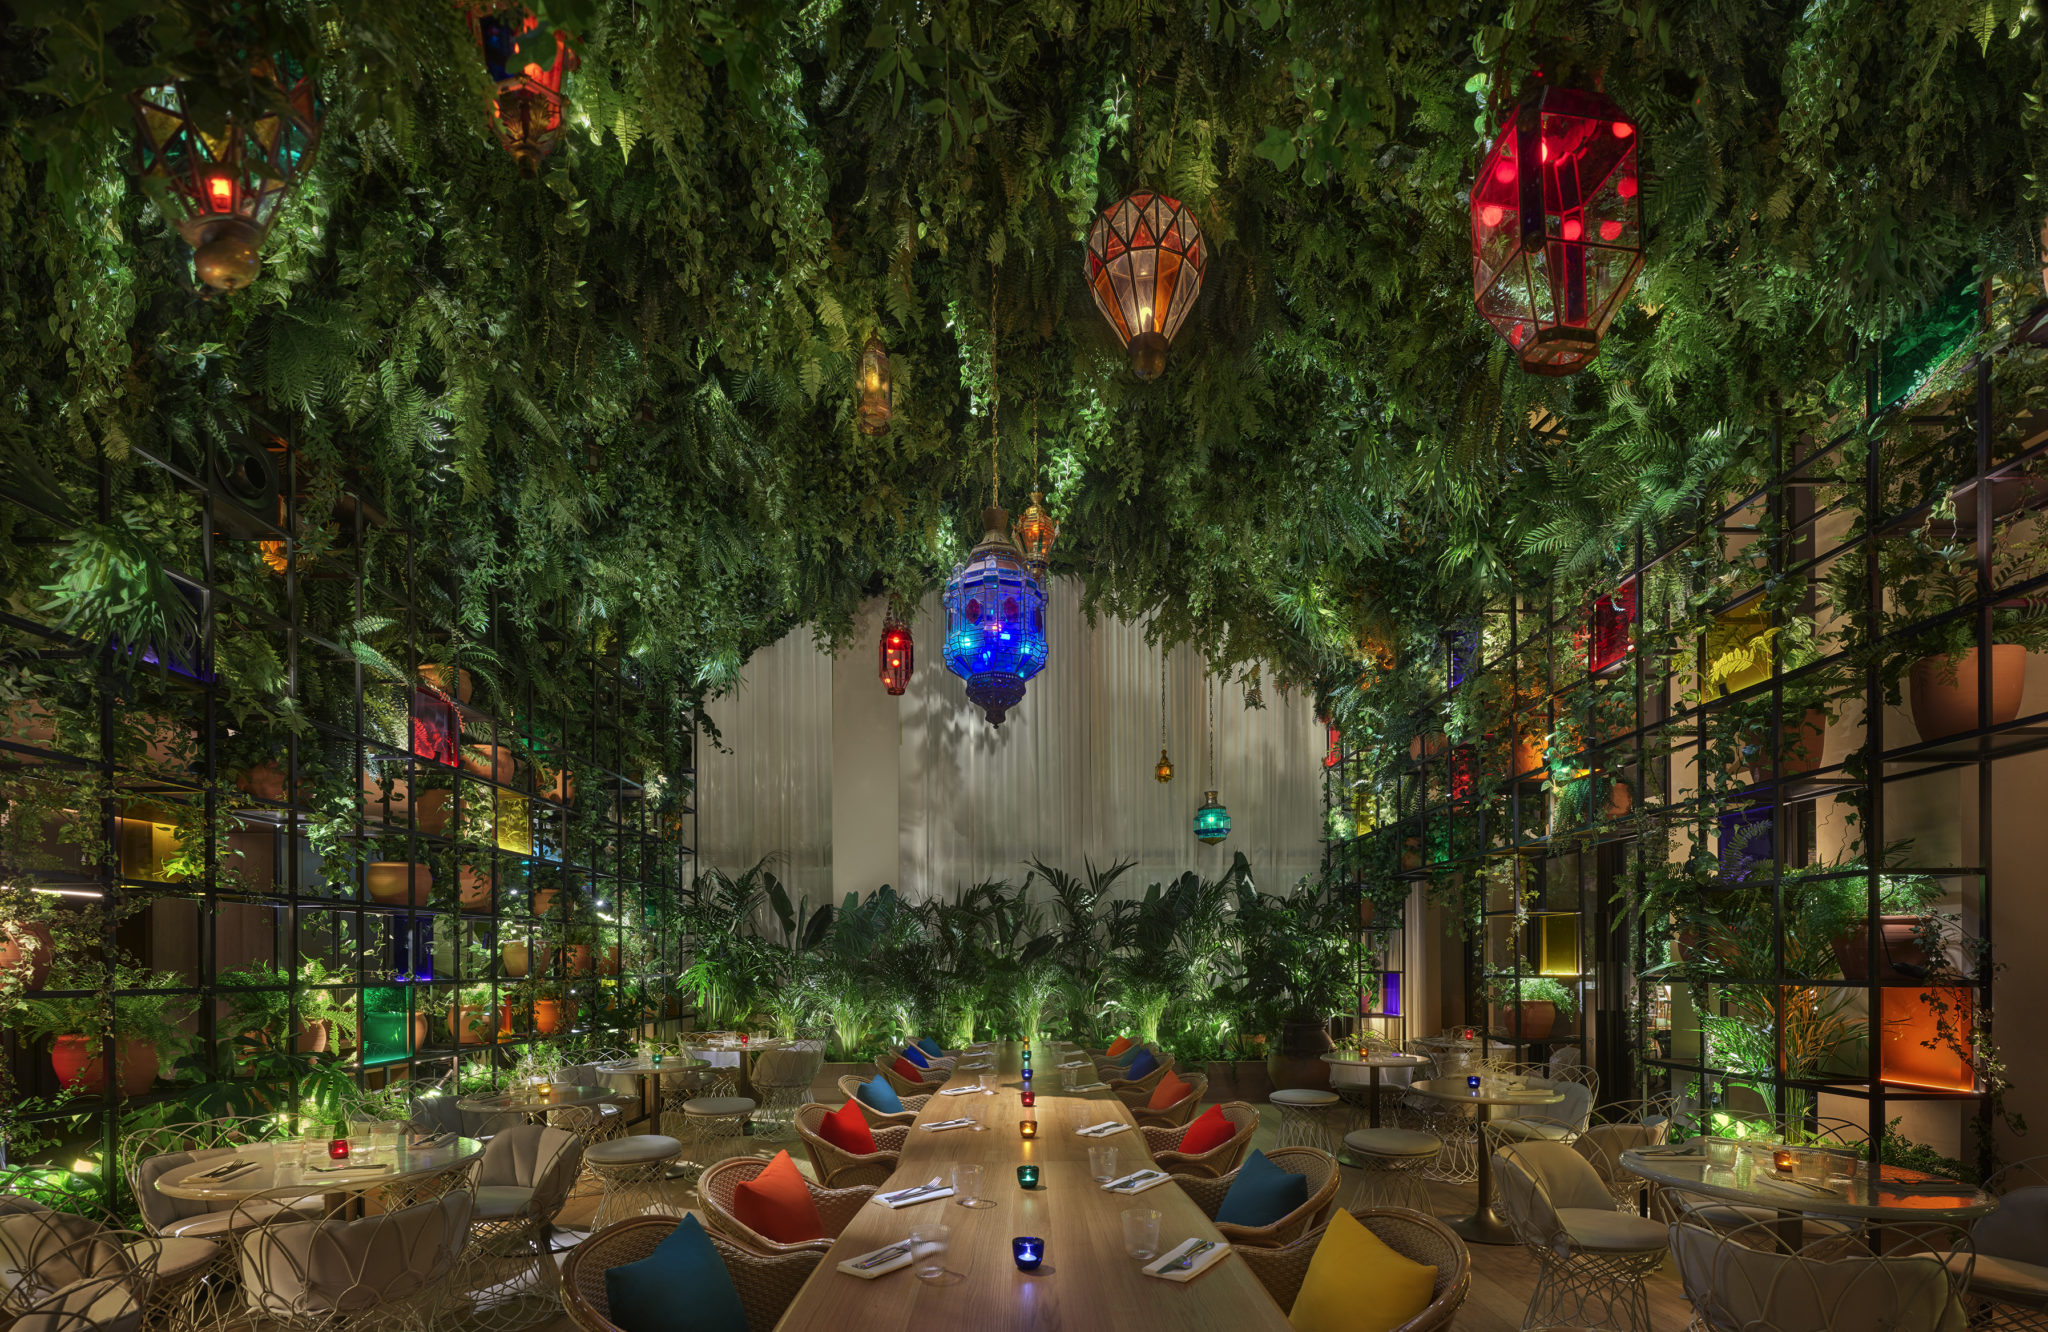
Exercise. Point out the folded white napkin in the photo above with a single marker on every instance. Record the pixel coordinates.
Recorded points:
(946, 1124)
(1137, 1181)
(892, 1257)
(1088, 1086)
(1207, 1258)
(982, 1067)
(959, 1091)
(1102, 1130)
(902, 1197)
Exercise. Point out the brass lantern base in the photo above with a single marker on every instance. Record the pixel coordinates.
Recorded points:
(227, 253)
(1559, 351)
(1148, 355)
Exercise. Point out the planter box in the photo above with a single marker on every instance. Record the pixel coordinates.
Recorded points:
(1250, 1081)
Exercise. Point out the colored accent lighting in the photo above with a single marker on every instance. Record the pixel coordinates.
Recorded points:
(1028, 1128)
(1029, 1097)
(1027, 1177)
(898, 655)
(1546, 281)
(1608, 646)
(1145, 263)
(1333, 753)
(995, 621)
(528, 101)
(874, 393)
(1029, 1251)
(1212, 820)
(1035, 534)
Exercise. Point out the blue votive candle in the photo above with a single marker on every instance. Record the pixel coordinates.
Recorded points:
(1473, 1082)
(1027, 1075)
(1029, 1251)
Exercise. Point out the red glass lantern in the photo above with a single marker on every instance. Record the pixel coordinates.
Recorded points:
(1557, 226)
(874, 393)
(898, 654)
(1608, 645)
(221, 185)
(1145, 263)
(528, 101)
(1334, 754)
(1464, 772)
(1035, 532)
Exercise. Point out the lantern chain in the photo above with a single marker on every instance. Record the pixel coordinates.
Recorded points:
(995, 399)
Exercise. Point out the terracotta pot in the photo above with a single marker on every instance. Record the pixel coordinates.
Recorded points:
(493, 761)
(577, 958)
(1621, 798)
(436, 677)
(1295, 1060)
(1529, 754)
(559, 787)
(399, 883)
(1428, 746)
(80, 1068)
(26, 951)
(432, 809)
(1901, 956)
(544, 900)
(1944, 707)
(1366, 911)
(609, 964)
(312, 1037)
(1801, 741)
(265, 781)
(473, 1025)
(1537, 1017)
(550, 1016)
(421, 1036)
(522, 959)
(475, 885)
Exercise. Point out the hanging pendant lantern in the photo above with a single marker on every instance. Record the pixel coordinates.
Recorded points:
(528, 102)
(1164, 772)
(1212, 820)
(1035, 532)
(1145, 263)
(221, 187)
(1557, 226)
(898, 653)
(873, 393)
(995, 621)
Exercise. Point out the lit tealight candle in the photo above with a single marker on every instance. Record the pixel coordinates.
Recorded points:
(1029, 1099)
(1028, 1127)
(1783, 1159)
(1029, 1251)
(1027, 1177)
(1473, 1082)
(1027, 1077)
(338, 1149)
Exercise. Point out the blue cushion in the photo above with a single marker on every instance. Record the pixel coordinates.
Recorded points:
(683, 1283)
(931, 1047)
(1123, 1060)
(1261, 1194)
(877, 1094)
(916, 1056)
(1142, 1065)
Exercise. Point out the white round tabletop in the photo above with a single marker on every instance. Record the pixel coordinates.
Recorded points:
(1897, 1194)
(732, 1045)
(1490, 1091)
(259, 1167)
(535, 1097)
(1377, 1059)
(678, 1064)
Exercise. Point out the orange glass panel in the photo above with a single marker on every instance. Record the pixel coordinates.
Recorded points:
(1911, 1026)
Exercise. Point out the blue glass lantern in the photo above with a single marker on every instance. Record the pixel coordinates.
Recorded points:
(1212, 820)
(995, 621)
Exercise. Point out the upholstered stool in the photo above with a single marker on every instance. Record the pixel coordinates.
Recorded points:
(633, 1170)
(1305, 1117)
(715, 1125)
(1390, 1160)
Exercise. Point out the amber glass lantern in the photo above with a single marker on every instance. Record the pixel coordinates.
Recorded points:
(1557, 226)
(872, 390)
(528, 100)
(1145, 263)
(1163, 771)
(1035, 532)
(898, 654)
(221, 185)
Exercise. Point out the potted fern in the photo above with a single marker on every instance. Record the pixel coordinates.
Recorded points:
(1533, 1004)
(262, 1005)
(145, 1028)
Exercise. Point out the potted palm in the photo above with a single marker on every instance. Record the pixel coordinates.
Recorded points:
(1533, 1004)
(1299, 969)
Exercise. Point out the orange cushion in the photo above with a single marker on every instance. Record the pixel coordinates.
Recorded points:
(1170, 1092)
(777, 1203)
(908, 1071)
(1209, 1131)
(1117, 1047)
(847, 1129)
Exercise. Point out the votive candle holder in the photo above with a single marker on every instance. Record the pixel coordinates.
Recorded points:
(1027, 1177)
(1028, 1128)
(1029, 1251)
(1029, 1098)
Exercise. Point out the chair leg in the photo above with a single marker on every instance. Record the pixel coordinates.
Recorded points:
(1592, 1290)
(508, 1277)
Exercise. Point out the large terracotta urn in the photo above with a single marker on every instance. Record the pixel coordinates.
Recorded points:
(475, 885)
(26, 951)
(266, 781)
(436, 677)
(493, 761)
(1537, 1017)
(1296, 1059)
(399, 883)
(550, 1015)
(1801, 741)
(80, 1068)
(1900, 953)
(1944, 700)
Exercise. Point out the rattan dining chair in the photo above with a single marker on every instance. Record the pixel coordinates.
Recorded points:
(1877, 1279)
(1176, 1115)
(1592, 1261)
(767, 1283)
(1419, 1238)
(836, 1207)
(2009, 1277)
(190, 1276)
(850, 1085)
(337, 1273)
(1140, 1086)
(1164, 1144)
(904, 1086)
(65, 1269)
(839, 1169)
(1318, 1167)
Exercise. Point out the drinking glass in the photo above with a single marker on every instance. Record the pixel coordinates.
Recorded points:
(1141, 1233)
(967, 1187)
(928, 1250)
(986, 1081)
(1721, 1151)
(1102, 1163)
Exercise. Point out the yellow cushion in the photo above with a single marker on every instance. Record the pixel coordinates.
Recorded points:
(1355, 1283)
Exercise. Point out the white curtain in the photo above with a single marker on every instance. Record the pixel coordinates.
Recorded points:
(768, 790)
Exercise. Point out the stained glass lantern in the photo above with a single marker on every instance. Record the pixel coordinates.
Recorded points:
(1333, 742)
(1557, 226)
(898, 654)
(1145, 263)
(221, 185)
(1212, 820)
(874, 394)
(1608, 645)
(528, 101)
(1035, 533)
(995, 621)
(1163, 772)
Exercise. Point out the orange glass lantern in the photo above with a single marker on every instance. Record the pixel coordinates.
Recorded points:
(1035, 531)
(898, 654)
(1163, 770)
(1028, 1128)
(1145, 263)
(1557, 226)
(528, 101)
(873, 391)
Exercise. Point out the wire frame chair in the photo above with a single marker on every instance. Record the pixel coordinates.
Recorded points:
(1591, 1263)
(1318, 1167)
(145, 1154)
(719, 1183)
(782, 1082)
(1177, 1115)
(1413, 1235)
(2009, 1281)
(190, 1275)
(1619, 1127)
(850, 1085)
(68, 1272)
(767, 1283)
(522, 1182)
(387, 1271)
(839, 1169)
(1164, 1145)
(1875, 1280)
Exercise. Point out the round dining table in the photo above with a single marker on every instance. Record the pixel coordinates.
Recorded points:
(537, 1098)
(1485, 1226)
(304, 1163)
(1373, 1061)
(716, 1044)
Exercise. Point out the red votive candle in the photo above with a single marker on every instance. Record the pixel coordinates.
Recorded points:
(1029, 1099)
(337, 1149)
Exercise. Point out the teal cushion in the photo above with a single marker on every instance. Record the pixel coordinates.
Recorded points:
(916, 1056)
(1142, 1065)
(1261, 1194)
(879, 1095)
(682, 1285)
(930, 1047)
(1123, 1060)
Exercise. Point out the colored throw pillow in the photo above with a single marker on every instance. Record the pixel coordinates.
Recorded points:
(1118, 1046)
(1124, 1060)
(1209, 1131)
(1170, 1092)
(931, 1047)
(1143, 1064)
(643, 1295)
(1355, 1283)
(878, 1095)
(1260, 1193)
(916, 1056)
(906, 1070)
(847, 1129)
(777, 1203)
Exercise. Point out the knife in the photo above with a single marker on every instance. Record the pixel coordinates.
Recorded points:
(899, 1194)
(1187, 1260)
(894, 1251)
(229, 1170)
(1142, 1177)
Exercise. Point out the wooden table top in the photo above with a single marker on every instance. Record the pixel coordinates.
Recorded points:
(1087, 1280)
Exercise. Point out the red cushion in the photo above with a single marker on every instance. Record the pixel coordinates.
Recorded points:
(1169, 1092)
(908, 1071)
(847, 1129)
(1209, 1131)
(1117, 1047)
(777, 1203)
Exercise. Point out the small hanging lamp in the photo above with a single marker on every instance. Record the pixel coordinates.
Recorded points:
(1146, 257)
(528, 101)
(1212, 820)
(1035, 530)
(874, 394)
(1164, 771)
(898, 652)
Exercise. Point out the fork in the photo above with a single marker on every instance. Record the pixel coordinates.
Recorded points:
(1187, 1260)
(894, 1251)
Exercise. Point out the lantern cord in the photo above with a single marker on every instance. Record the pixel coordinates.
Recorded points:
(1209, 708)
(1162, 696)
(995, 399)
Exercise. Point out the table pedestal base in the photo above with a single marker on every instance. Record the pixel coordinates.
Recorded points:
(1484, 1227)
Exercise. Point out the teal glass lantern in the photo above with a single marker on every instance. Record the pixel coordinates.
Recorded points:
(995, 621)
(1212, 820)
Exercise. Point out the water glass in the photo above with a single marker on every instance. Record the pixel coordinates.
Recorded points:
(1102, 1162)
(1721, 1151)
(967, 1187)
(928, 1250)
(985, 1081)
(1141, 1233)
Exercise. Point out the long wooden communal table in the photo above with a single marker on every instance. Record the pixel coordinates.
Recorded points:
(1087, 1281)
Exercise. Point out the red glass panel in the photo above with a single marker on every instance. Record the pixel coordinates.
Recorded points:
(1613, 615)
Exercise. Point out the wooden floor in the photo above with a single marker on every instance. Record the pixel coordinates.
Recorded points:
(1501, 1276)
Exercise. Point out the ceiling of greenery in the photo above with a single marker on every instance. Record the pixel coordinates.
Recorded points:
(628, 381)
